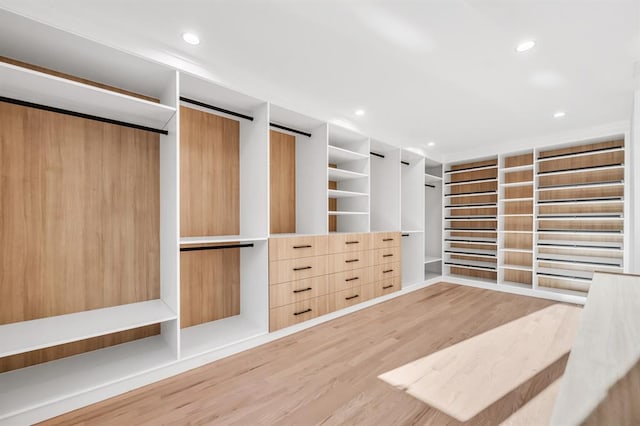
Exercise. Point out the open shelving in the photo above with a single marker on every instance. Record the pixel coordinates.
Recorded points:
(385, 184)
(433, 184)
(412, 169)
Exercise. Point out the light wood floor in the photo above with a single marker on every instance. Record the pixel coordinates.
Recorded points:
(328, 374)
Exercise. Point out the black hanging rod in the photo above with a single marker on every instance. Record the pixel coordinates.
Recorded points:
(577, 169)
(215, 108)
(376, 154)
(405, 163)
(429, 185)
(226, 246)
(289, 129)
(81, 115)
(405, 235)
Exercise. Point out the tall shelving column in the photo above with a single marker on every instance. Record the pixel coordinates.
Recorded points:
(433, 219)
(385, 187)
(471, 220)
(516, 219)
(580, 214)
(412, 188)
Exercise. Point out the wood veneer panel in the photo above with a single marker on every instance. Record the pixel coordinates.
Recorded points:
(494, 261)
(209, 285)
(79, 223)
(480, 211)
(517, 241)
(333, 206)
(209, 174)
(591, 176)
(521, 176)
(282, 178)
(471, 235)
(517, 276)
(26, 359)
(575, 237)
(474, 187)
(482, 163)
(569, 208)
(525, 191)
(473, 199)
(581, 193)
(474, 273)
(551, 282)
(74, 78)
(519, 160)
(587, 225)
(475, 224)
(474, 246)
(517, 258)
(474, 175)
(582, 148)
(518, 207)
(518, 223)
(594, 160)
(582, 252)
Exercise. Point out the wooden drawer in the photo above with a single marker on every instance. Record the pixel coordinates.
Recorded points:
(348, 279)
(387, 255)
(383, 272)
(349, 261)
(386, 286)
(343, 243)
(282, 271)
(298, 312)
(296, 247)
(346, 298)
(296, 291)
(386, 239)
(367, 292)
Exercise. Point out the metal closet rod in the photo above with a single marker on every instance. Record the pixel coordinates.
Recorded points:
(226, 246)
(430, 186)
(289, 129)
(215, 108)
(81, 115)
(405, 163)
(376, 154)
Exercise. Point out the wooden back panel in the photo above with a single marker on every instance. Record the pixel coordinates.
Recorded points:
(282, 179)
(209, 174)
(79, 223)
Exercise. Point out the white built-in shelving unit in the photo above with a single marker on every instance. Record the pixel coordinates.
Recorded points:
(412, 217)
(433, 219)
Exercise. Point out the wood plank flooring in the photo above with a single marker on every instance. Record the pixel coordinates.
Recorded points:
(328, 374)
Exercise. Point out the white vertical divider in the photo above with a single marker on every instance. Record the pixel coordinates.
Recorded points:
(500, 220)
(631, 226)
(170, 215)
(311, 182)
(534, 235)
(254, 173)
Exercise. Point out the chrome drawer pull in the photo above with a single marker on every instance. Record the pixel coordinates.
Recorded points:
(302, 312)
(387, 239)
(387, 271)
(352, 242)
(352, 279)
(387, 286)
(305, 246)
(302, 290)
(351, 260)
(351, 297)
(387, 255)
(302, 268)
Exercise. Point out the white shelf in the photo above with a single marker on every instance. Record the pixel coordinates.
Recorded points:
(340, 213)
(585, 170)
(340, 174)
(472, 252)
(412, 231)
(517, 267)
(517, 199)
(40, 88)
(45, 332)
(589, 245)
(580, 154)
(566, 274)
(432, 259)
(474, 264)
(610, 262)
(215, 239)
(337, 193)
(473, 169)
(215, 335)
(431, 178)
(526, 183)
(581, 201)
(517, 250)
(585, 186)
(339, 155)
(517, 168)
(471, 182)
(42, 384)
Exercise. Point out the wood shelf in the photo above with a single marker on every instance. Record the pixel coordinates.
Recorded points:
(41, 333)
(45, 89)
(340, 174)
(216, 239)
(337, 193)
(582, 260)
(340, 155)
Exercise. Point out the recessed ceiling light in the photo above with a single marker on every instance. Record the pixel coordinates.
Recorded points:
(559, 114)
(191, 38)
(431, 144)
(359, 112)
(525, 45)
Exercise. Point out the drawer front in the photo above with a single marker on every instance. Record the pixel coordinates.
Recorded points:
(343, 243)
(349, 261)
(386, 239)
(348, 279)
(283, 271)
(297, 247)
(387, 255)
(298, 312)
(367, 292)
(386, 271)
(345, 298)
(386, 286)
(296, 291)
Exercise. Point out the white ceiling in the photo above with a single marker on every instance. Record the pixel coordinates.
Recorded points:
(424, 70)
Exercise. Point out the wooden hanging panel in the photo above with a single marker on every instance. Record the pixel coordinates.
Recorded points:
(282, 178)
(79, 223)
(209, 174)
